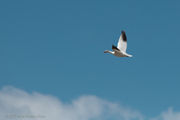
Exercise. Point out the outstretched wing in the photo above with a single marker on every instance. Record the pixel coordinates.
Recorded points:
(122, 43)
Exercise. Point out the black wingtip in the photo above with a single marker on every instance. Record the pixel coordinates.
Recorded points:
(114, 47)
(122, 31)
(124, 35)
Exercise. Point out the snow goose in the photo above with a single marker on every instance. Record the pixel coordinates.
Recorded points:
(120, 50)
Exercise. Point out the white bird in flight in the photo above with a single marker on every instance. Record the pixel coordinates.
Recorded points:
(120, 50)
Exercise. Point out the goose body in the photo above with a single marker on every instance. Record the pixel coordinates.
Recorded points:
(120, 50)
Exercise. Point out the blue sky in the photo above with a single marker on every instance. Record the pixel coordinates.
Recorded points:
(56, 48)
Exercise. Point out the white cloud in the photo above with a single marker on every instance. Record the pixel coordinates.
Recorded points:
(16, 104)
(168, 115)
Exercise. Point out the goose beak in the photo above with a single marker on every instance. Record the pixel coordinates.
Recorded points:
(105, 51)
